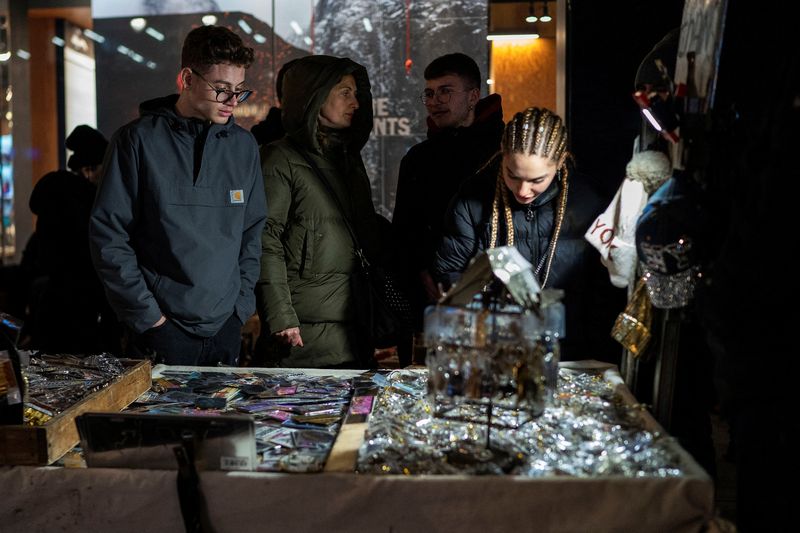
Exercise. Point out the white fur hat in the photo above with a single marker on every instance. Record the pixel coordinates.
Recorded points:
(651, 168)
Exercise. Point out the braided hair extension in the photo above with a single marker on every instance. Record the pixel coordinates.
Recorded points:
(501, 197)
(562, 207)
(535, 131)
(495, 213)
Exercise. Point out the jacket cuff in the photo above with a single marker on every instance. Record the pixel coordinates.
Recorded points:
(245, 307)
(281, 323)
(147, 320)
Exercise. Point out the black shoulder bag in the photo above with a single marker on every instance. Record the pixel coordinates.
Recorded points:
(386, 313)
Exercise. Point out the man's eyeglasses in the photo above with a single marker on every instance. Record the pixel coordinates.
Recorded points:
(441, 95)
(224, 95)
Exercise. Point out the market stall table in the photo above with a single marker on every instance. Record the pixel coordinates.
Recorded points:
(78, 499)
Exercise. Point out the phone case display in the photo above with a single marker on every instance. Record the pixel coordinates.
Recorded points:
(58, 388)
(297, 416)
(590, 430)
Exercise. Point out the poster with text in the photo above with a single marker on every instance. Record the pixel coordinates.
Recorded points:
(137, 49)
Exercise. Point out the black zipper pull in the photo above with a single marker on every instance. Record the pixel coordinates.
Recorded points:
(529, 212)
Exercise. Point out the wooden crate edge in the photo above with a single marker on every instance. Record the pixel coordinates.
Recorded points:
(49, 442)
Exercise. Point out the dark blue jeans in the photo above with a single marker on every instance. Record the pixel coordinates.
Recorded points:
(170, 345)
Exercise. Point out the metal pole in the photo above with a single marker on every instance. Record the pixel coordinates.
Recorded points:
(666, 366)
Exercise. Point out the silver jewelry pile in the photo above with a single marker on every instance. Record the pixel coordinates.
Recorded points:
(587, 431)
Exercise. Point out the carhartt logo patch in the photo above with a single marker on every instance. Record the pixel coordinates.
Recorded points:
(237, 196)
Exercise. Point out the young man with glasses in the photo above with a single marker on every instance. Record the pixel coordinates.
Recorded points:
(176, 226)
(464, 132)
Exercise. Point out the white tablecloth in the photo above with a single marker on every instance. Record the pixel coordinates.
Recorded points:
(48, 499)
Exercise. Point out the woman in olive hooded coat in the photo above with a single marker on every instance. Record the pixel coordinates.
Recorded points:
(308, 293)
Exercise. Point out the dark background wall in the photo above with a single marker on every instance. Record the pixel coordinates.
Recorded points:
(606, 41)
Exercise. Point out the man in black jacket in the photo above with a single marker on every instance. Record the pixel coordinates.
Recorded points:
(464, 132)
(176, 227)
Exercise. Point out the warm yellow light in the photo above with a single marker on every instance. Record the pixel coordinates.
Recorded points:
(524, 73)
(512, 37)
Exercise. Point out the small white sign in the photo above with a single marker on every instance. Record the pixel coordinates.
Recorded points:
(235, 463)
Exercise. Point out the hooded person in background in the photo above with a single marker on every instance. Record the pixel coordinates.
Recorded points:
(308, 293)
(271, 128)
(88, 148)
(66, 308)
(176, 225)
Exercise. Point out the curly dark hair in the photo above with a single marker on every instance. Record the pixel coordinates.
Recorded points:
(211, 45)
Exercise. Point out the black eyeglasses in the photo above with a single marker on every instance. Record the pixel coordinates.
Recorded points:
(441, 95)
(240, 96)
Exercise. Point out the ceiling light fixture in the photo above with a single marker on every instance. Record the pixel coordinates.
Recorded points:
(245, 26)
(515, 36)
(545, 14)
(138, 24)
(531, 13)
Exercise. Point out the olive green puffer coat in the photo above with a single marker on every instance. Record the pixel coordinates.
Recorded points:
(308, 262)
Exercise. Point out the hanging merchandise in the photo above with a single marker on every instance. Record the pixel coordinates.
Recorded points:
(613, 231)
(659, 110)
(668, 241)
(655, 93)
(650, 168)
(633, 325)
(695, 81)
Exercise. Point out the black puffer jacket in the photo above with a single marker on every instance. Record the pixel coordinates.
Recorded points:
(430, 175)
(591, 301)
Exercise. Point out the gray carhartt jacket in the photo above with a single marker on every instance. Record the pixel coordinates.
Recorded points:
(176, 224)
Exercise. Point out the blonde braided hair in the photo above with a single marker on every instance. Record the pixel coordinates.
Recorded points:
(501, 199)
(535, 131)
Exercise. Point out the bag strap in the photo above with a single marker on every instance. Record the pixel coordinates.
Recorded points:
(356, 246)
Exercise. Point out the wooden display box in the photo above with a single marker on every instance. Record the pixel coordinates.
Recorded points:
(42, 445)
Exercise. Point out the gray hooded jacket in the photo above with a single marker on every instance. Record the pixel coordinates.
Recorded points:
(176, 224)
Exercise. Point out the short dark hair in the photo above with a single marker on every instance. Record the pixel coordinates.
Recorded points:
(456, 64)
(211, 45)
